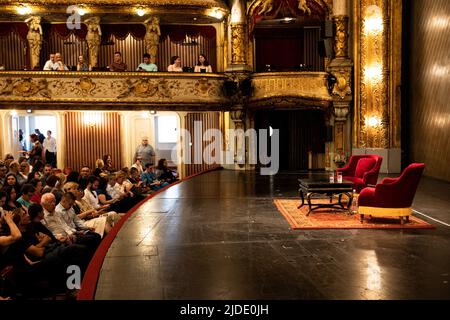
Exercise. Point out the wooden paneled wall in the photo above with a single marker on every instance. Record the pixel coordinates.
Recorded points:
(13, 52)
(89, 136)
(209, 120)
(429, 84)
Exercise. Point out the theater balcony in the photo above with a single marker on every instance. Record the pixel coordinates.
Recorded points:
(113, 90)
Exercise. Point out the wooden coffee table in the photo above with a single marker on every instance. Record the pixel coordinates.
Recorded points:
(322, 185)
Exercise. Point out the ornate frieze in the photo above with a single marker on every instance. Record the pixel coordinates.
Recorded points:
(114, 88)
(287, 87)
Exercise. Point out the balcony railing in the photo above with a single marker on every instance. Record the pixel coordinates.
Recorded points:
(114, 89)
(159, 90)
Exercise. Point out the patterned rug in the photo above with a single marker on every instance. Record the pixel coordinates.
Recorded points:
(327, 218)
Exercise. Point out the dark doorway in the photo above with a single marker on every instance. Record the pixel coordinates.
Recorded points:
(301, 131)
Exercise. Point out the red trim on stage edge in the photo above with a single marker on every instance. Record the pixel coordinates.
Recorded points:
(90, 279)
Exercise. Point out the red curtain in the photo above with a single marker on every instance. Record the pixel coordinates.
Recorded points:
(121, 31)
(64, 32)
(178, 33)
(20, 28)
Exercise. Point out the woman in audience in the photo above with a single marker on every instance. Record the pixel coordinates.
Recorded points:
(11, 196)
(24, 170)
(202, 64)
(150, 180)
(14, 168)
(50, 183)
(11, 180)
(37, 184)
(175, 64)
(82, 65)
(99, 168)
(107, 160)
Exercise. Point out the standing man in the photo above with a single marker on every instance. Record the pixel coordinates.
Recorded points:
(50, 149)
(145, 152)
(41, 137)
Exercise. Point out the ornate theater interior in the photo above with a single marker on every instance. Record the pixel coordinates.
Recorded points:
(225, 149)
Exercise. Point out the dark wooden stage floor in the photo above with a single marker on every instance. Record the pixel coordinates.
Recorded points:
(219, 236)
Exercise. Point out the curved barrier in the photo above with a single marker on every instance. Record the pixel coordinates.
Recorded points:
(90, 279)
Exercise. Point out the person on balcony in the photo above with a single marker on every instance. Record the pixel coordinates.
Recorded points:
(203, 65)
(147, 65)
(175, 64)
(118, 65)
(82, 65)
(60, 63)
(51, 65)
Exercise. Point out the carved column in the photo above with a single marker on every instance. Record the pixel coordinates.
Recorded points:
(238, 32)
(341, 69)
(151, 39)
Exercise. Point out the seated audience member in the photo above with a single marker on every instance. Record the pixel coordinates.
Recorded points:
(11, 180)
(82, 65)
(51, 65)
(37, 184)
(202, 64)
(118, 65)
(48, 171)
(138, 165)
(163, 173)
(150, 180)
(74, 176)
(84, 234)
(58, 190)
(3, 172)
(138, 187)
(7, 238)
(14, 168)
(33, 176)
(175, 64)
(107, 160)
(60, 63)
(147, 65)
(85, 173)
(50, 184)
(27, 192)
(11, 196)
(36, 152)
(99, 168)
(90, 194)
(40, 256)
(24, 170)
(100, 220)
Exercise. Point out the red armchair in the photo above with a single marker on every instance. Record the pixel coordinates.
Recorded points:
(392, 197)
(362, 170)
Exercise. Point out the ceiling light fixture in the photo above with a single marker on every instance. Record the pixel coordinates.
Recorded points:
(23, 9)
(140, 11)
(81, 10)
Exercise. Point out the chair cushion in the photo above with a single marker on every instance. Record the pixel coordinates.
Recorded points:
(358, 183)
(364, 165)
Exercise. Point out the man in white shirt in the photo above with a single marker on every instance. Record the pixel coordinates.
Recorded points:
(53, 221)
(50, 149)
(59, 62)
(50, 65)
(84, 235)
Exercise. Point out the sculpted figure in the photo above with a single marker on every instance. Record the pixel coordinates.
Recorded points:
(34, 38)
(151, 39)
(93, 38)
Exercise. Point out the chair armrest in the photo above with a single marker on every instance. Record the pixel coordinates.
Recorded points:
(388, 180)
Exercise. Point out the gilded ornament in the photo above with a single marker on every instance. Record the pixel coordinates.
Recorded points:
(85, 86)
(34, 38)
(93, 39)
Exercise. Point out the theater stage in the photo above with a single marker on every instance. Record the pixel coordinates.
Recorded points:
(219, 236)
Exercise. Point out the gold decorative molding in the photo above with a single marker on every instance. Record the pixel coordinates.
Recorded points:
(238, 43)
(342, 88)
(113, 88)
(151, 39)
(188, 3)
(341, 36)
(290, 87)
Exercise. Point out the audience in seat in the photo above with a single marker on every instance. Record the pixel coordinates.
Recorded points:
(118, 65)
(203, 65)
(175, 64)
(147, 65)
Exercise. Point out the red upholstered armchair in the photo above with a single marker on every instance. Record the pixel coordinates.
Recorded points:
(362, 170)
(392, 197)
